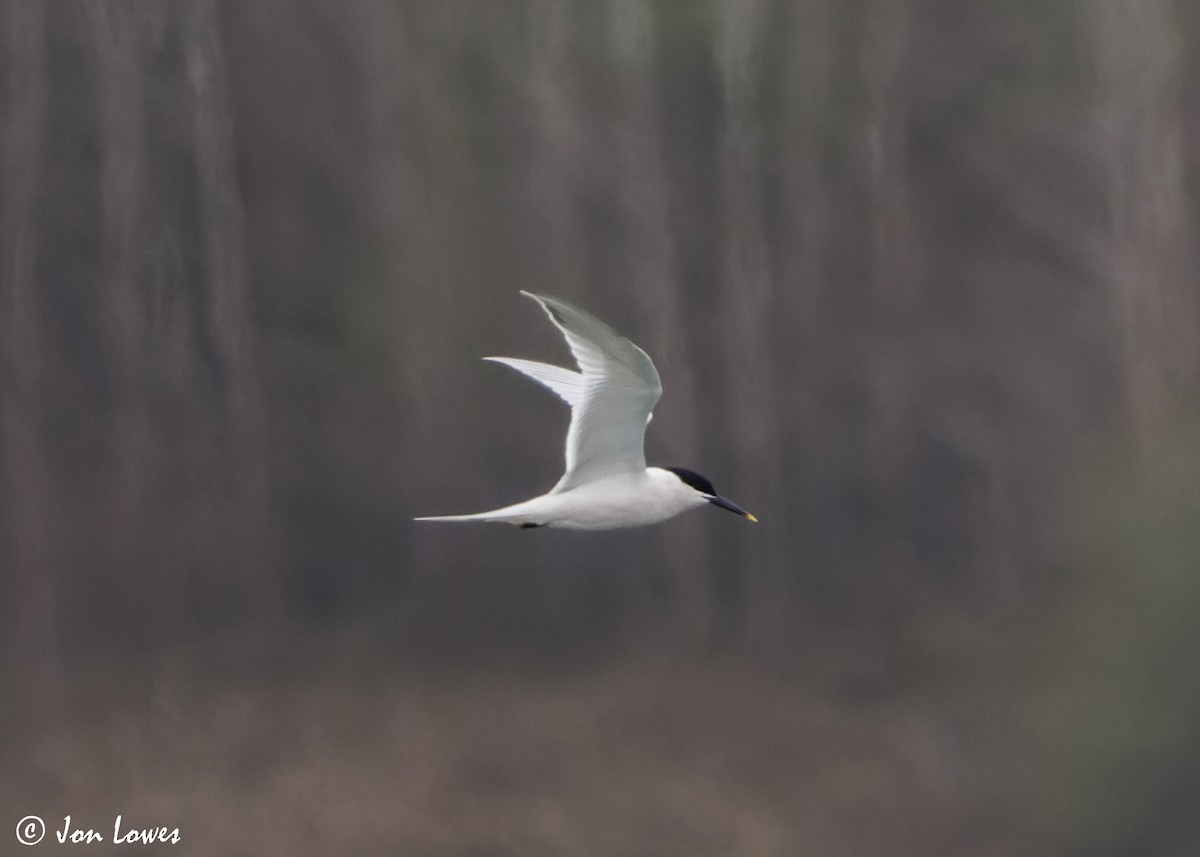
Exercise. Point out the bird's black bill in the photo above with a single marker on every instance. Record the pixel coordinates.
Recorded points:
(733, 507)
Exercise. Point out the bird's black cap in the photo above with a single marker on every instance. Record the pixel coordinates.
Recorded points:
(694, 479)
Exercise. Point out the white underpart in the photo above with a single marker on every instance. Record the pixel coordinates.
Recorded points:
(623, 500)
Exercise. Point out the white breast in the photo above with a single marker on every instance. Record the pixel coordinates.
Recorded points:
(626, 500)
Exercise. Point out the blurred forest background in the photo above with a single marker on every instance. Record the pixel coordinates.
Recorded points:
(921, 279)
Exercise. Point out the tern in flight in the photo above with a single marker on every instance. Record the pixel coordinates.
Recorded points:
(607, 483)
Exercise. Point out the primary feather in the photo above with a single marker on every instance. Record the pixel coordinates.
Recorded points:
(564, 383)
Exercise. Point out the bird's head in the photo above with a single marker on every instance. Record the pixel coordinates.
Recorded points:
(705, 489)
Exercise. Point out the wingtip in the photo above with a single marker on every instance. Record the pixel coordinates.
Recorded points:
(550, 306)
(544, 301)
(540, 301)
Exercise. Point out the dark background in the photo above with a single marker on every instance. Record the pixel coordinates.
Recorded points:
(920, 277)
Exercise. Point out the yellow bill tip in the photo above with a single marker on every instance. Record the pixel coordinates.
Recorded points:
(750, 517)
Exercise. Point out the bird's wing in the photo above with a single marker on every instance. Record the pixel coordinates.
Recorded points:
(611, 397)
(564, 383)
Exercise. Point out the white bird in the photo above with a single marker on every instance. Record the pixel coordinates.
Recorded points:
(607, 483)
